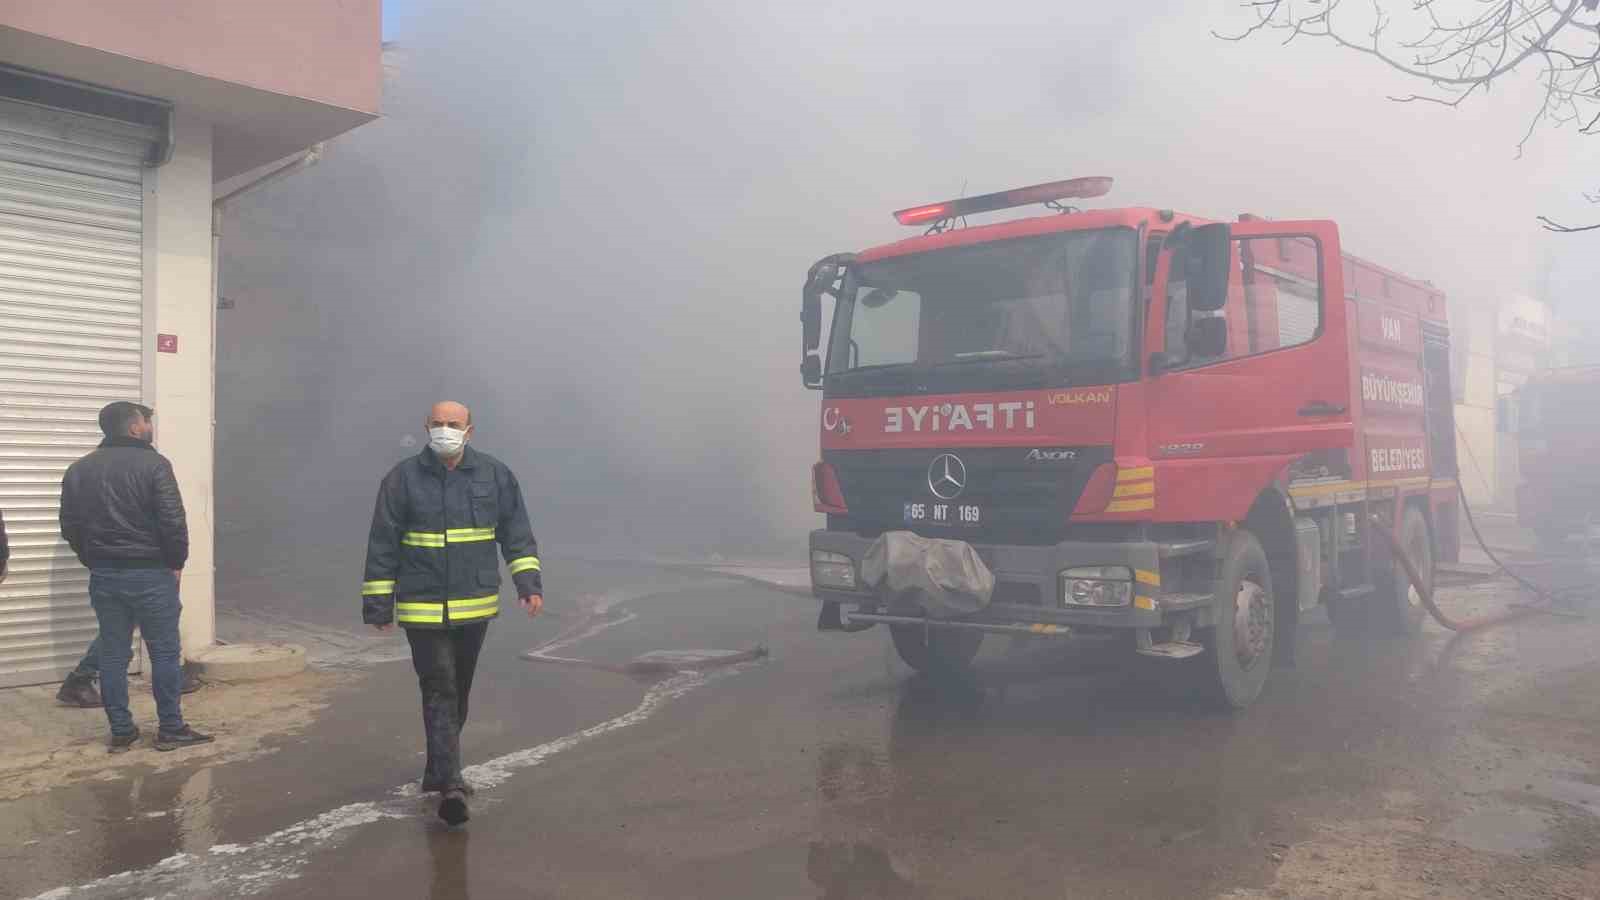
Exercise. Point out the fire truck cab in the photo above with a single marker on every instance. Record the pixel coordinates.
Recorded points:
(1147, 425)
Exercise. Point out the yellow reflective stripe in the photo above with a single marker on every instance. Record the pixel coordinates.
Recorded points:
(1135, 489)
(377, 588)
(1140, 474)
(1146, 576)
(426, 613)
(1131, 505)
(1145, 603)
(436, 539)
(471, 614)
(474, 608)
(524, 564)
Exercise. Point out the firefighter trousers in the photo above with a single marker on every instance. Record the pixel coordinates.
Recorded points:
(445, 661)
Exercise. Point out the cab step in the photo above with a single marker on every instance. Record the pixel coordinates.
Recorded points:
(1172, 650)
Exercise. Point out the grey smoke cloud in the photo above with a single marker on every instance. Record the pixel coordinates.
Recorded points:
(590, 221)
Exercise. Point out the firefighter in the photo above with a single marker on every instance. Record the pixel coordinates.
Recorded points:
(431, 568)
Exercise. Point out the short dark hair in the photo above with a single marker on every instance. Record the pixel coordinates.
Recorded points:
(116, 417)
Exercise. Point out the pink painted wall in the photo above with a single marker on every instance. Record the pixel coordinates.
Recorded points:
(323, 50)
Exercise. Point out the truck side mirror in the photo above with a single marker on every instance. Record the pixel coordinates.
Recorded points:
(1205, 266)
(1208, 335)
(811, 370)
(810, 318)
(811, 333)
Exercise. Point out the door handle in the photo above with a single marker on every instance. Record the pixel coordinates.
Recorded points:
(1318, 408)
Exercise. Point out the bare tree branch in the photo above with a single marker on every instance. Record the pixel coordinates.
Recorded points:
(1460, 48)
(1566, 229)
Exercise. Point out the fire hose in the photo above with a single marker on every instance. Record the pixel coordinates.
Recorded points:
(1425, 590)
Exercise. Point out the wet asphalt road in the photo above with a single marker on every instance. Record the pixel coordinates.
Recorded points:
(827, 770)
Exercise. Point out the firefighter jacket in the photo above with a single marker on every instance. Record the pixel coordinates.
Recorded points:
(431, 553)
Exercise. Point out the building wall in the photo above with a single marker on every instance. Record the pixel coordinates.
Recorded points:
(316, 49)
(179, 292)
(1476, 439)
(1505, 343)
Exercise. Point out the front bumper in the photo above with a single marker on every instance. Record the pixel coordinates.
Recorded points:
(1031, 573)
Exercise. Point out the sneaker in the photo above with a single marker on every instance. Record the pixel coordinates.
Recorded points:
(122, 743)
(79, 691)
(453, 808)
(188, 737)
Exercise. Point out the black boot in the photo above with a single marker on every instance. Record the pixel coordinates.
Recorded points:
(79, 690)
(453, 808)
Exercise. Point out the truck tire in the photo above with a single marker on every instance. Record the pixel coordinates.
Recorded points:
(1239, 646)
(1397, 608)
(935, 650)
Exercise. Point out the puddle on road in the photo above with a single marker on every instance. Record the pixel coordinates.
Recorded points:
(1503, 828)
(1524, 802)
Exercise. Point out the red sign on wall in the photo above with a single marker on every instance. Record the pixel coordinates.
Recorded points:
(166, 343)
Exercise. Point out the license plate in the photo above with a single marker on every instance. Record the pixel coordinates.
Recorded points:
(953, 515)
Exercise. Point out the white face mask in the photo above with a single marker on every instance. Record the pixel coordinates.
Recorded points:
(446, 441)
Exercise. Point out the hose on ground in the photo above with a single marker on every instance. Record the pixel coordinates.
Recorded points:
(1425, 591)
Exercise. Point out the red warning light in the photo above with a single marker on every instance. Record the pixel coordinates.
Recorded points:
(1049, 192)
(917, 215)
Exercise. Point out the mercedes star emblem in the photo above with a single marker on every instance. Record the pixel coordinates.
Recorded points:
(947, 476)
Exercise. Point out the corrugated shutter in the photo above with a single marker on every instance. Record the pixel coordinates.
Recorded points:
(71, 338)
(1298, 316)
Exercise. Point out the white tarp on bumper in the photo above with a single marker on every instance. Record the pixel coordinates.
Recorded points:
(948, 576)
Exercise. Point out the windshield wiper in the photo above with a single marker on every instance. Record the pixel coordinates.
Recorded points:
(876, 367)
(983, 356)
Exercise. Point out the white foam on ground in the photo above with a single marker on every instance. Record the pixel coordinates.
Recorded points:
(232, 870)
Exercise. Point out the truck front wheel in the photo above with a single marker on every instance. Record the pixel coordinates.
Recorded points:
(1239, 645)
(935, 650)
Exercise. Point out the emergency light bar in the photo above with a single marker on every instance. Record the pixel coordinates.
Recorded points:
(1071, 189)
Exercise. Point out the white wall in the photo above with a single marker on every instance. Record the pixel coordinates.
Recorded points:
(178, 232)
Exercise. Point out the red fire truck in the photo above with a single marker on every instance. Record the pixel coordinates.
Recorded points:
(1558, 435)
(1147, 425)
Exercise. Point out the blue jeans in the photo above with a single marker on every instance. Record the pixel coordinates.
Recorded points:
(147, 598)
(89, 666)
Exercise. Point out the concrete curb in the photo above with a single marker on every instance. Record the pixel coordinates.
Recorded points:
(249, 662)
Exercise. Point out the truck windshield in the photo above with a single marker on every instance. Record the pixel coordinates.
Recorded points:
(1054, 310)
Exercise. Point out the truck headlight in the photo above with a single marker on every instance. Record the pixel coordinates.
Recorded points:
(833, 570)
(1097, 586)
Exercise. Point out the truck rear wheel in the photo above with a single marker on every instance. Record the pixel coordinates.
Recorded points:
(935, 650)
(1239, 646)
(1397, 606)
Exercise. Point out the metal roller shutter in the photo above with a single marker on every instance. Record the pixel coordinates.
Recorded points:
(71, 340)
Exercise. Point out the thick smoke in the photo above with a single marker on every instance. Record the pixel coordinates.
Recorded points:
(590, 222)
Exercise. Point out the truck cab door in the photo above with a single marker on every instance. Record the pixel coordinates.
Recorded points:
(1269, 383)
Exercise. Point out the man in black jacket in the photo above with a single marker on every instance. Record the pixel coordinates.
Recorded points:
(123, 515)
(431, 566)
